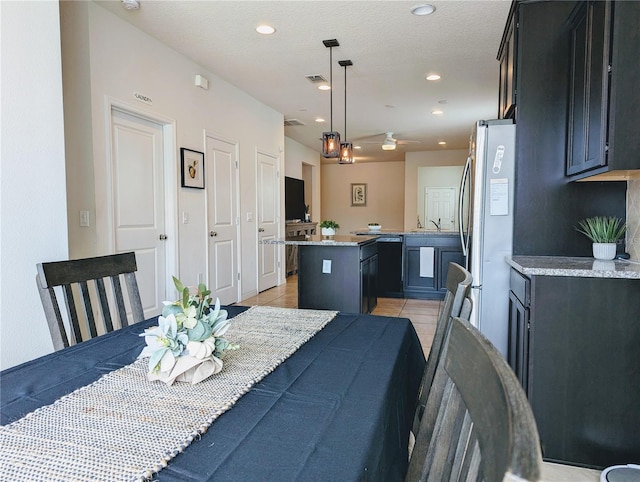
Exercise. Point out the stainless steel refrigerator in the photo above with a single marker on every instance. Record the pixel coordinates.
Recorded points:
(486, 224)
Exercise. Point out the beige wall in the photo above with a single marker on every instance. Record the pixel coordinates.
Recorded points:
(633, 219)
(385, 195)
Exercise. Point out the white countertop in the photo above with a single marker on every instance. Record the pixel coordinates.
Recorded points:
(574, 267)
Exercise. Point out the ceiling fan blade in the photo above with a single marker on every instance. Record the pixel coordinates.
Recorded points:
(407, 141)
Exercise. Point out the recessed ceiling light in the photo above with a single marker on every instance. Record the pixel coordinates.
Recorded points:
(324, 87)
(265, 29)
(424, 9)
(131, 4)
(319, 119)
(433, 77)
(357, 147)
(437, 112)
(443, 101)
(442, 143)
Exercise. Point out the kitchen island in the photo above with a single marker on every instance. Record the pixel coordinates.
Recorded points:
(574, 333)
(336, 273)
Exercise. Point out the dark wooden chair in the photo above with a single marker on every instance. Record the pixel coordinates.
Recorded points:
(477, 424)
(455, 303)
(86, 278)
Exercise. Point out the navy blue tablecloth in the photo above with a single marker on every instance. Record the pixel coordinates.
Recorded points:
(340, 408)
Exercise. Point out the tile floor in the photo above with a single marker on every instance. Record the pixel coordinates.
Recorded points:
(424, 315)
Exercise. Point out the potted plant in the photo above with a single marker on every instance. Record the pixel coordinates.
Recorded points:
(604, 232)
(329, 227)
(374, 226)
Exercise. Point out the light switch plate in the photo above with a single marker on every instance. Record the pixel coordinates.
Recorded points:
(84, 219)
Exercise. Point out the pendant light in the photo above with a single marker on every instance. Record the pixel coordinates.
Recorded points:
(331, 140)
(346, 148)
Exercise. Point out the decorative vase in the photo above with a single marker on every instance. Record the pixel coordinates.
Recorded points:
(307, 217)
(328, 231)
(604, 251)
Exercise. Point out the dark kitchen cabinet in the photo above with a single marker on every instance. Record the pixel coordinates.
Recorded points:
(541, 186)
(446, 249)
(578, 362)
(518, 338)
(588, 87)
(507, 58)
(369, 290)
(603, 99)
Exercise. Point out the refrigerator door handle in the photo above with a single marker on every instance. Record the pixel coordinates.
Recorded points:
(463, 183)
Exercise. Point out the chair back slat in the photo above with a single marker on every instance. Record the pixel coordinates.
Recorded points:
(104, 304)
(117, 292)
(484, 428)
(87, 276)
(72, 312)
(134, 297)
(455, 303)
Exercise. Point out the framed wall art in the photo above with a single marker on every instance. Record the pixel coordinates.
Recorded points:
(192, 163)
(358, 194)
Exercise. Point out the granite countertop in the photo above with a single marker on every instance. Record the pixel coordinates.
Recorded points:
(574, 267)
(318, 240)
(416, 232)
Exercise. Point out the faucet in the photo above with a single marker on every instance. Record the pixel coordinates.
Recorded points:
(419, 223)
(438, 224)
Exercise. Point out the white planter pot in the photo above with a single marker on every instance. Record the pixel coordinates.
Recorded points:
(328, 231)
(604, 250)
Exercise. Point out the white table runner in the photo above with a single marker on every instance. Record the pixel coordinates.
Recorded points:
(123, 427)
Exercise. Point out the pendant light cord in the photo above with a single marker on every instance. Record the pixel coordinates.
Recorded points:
(345, 103)
(331, 85)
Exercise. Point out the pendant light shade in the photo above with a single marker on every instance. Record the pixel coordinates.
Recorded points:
(331, 140)
(346, 148)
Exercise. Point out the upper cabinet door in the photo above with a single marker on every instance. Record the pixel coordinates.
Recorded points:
(507, 59)
(587, 132)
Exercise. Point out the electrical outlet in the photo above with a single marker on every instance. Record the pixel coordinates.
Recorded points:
(326, 266)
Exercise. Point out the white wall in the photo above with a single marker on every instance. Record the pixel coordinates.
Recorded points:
(110, 59)
(414, 160)
(299, 161)
(33, 221)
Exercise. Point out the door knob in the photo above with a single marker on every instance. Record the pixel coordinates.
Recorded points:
(163, 237)
(212, 233)
(261, 230)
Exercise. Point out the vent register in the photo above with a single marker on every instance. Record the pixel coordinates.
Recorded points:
(314, 79)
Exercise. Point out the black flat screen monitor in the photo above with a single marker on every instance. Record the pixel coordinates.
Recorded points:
(293, 198)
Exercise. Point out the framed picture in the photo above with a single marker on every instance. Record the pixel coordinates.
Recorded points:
(358, 194)
(192, 168)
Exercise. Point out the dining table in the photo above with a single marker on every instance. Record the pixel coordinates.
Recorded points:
(339, 408)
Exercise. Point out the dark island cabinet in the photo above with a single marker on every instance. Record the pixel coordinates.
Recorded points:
(604, 78)
(446, 249)
(573, 342)
(337, 277)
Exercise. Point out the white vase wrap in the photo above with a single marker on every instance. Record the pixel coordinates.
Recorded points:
(604, 251)
(328, 231)
(189, 369)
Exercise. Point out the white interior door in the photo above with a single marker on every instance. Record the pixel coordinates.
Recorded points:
(440, 207)
(137, 164)
(268, 195)
(222, 219)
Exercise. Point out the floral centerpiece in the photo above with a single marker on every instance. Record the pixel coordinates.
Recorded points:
(187, 343)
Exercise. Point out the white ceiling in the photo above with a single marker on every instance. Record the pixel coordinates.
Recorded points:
(391, 49)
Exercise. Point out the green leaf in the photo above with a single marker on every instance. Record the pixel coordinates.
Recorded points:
(200, 332)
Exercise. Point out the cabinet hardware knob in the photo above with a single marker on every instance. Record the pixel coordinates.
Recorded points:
(212, 233)
(163, 237)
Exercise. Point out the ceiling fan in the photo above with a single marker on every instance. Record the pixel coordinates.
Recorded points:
(389, 143)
